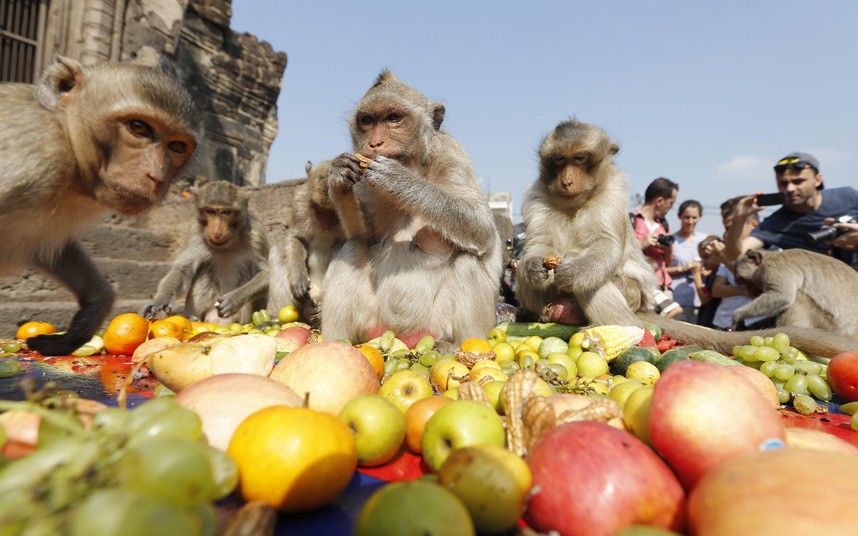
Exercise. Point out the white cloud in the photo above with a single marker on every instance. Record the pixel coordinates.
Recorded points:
(744, 168)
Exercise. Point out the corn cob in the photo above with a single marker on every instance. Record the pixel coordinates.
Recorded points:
(610, 341)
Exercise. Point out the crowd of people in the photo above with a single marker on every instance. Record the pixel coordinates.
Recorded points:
(696, 282)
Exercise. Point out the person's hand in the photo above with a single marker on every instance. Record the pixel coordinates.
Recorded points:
(847, 240)
(649, 240)
(747, 206)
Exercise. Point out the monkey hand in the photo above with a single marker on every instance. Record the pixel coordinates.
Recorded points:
(533, 270)
(346, 170)
(381, 168)
(154, 308)
(301, 290)
(229, 304)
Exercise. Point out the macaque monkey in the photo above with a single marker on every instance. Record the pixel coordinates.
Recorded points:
(422, 254)
(800, 288)
(224, 267)
(315, 235)
(580, 247)
(84, 141)
(577, 212)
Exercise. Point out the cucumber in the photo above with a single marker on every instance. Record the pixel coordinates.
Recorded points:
(544, 330)
(711, 356)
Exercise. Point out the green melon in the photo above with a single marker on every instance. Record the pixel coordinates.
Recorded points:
(629, 356)
(675, 354)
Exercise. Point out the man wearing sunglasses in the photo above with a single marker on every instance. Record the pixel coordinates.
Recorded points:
(806, 206)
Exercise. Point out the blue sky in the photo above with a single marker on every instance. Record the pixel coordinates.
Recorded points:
(709, 94)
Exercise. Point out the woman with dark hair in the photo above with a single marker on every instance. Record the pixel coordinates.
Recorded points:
(685, 259)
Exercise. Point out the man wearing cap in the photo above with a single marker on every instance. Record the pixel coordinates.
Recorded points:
(805, 210)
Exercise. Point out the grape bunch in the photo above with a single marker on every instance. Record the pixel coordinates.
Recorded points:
(798, 379)
(420, 358)
(142, 471)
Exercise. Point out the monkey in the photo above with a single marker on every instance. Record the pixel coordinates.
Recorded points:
(800, 288)
(314, 236)
(422, 252)
(224, 266)
(577, 210)
(81, 142)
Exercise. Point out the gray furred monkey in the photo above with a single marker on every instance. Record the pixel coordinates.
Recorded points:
(84, 141)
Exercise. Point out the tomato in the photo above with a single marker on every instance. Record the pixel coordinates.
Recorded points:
(843, 375)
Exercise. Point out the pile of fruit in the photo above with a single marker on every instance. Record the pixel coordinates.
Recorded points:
(579, 430)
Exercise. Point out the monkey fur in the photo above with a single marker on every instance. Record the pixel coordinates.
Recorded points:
(315, 235)
(422, 254)
(224, 266)
(800, 288)
(84, 141)
(578, 210)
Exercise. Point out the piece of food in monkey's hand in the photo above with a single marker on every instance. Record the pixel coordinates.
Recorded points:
(551, 262)
(364, 161)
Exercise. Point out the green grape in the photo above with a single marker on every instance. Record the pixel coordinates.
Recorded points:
(767, 341)
(768, 368)
(399, 353)
(266, 316)
(418, 367)
(12, 347)
(783, 396)
(164, 417)
(849, 408)
(508, 366)
(163, 390)
(542, 362)
(766, 353)
(789, 358)
(792, 352)
(746, 352)
(804, 404)
(205, 517)
(429, 357)
(797, 385)
(169, 469)
(808, 367)
(780, 342)
(735, 351)
(9, 368)
(819, 388)
(385, 342)
(425, 344)
(224, 472)
(112, 421)
(784, 372)
(560, 370)
(27, 472)
(403, 363)
(390, 366)
(526, 361)
(853, 422)
(123, 512)
(757, 340)
(235, 327)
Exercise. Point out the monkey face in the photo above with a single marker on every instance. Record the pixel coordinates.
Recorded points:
(220, 225)
(568, 176)
(384, 130)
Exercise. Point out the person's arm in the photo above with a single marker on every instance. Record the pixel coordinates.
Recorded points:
(733, 239)
(688, 267)
(702, 292)
(722, 289)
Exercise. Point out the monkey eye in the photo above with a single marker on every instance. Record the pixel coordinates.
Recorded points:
(179, 147)
(140, 128)
(579, 158)
(365, 119)
(558, 161)
(394, 117)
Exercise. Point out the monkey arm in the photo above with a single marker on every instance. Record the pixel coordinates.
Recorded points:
(232, 301)
(297, 273)
(592, 267)
(777, 297)
(453, 203)
(180, 274)
(345, 173)
(74, 269)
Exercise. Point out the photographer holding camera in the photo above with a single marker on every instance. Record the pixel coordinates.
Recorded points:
(801, 221)
(652, 232)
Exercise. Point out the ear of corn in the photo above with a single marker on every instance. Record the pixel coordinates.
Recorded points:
(610, 341)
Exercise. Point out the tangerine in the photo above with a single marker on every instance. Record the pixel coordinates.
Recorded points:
(34, 328)
(294, 459)
(166, 328)
(376, 359)
(182, 322)
(476, 346)
(125, 333)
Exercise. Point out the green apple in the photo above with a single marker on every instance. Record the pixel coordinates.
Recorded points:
(452, 393)
(417, 507)
(565, 360)
(461, 423)
(550, 345)
(448, 374)
(497, 335)
(378, 426)
(493, 393)
(492, 481)
(405, 387)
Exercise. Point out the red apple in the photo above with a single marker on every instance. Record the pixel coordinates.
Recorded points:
(704, 414)
(843, 375)
(293, 337)
(593, 479)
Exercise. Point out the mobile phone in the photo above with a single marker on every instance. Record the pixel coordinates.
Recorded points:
(766, 200)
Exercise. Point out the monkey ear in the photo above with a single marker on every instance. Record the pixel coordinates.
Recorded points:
(308, 166)
(754, 256)
(60, 82)
(614, 149)
(438, 112)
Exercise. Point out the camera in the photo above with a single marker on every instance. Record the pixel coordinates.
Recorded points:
(666, 240)
(827, 232)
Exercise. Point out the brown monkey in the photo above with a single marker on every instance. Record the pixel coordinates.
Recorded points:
(800, 288)
(315, 235)
(224, 266)
(422, 254)
(578, 210)
(84, 141)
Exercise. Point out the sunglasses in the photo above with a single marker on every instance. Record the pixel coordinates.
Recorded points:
(793, 164)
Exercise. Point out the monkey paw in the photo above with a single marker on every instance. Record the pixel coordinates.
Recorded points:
(301, 290)
(57, 344)
(533, 271)
(154, 308)
(345, 171)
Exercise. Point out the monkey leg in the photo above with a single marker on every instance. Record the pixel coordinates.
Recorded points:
(74, 269)
(607, 305)
(766, 304)
(351, 300)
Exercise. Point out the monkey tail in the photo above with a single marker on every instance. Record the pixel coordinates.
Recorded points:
(808, 340)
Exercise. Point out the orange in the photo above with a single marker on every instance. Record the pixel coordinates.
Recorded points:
(294, 459)
(182, 322)
(166, 328)
(375, 358)
(33, 328)
(476, 346)
(125, 333)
